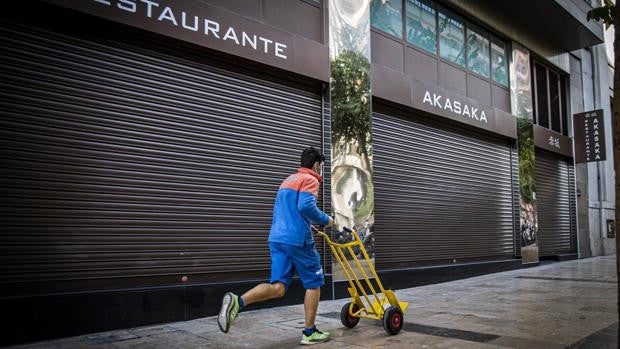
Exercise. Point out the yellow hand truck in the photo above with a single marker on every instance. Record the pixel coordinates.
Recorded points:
(384, 307)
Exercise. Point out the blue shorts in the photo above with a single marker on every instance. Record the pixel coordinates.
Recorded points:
(286, 259)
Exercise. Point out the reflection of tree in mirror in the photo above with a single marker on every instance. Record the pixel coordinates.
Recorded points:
(527, 180)
(524, 104)
(527, 189)
(478, 55)
(348, 32)
(498, 66)
(452, 39)
(350, 95)
(421, 36)
(386, 15)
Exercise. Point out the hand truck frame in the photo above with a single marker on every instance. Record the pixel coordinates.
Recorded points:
(383, 305)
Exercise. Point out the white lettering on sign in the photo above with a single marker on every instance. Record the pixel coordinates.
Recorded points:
(127, 5)
(194, 26)
(456, 107)
(245, 38)
(593, 137)
(554, 142)
(231, 35)
(210, 28)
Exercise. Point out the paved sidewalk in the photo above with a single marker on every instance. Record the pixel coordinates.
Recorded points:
(569, 304)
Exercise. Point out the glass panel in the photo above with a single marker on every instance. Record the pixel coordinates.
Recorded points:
(564, 106)
(528, 210)
(478, 60)
(451, 38)
(542, 99)
(521, 102)
(554, 100)
(498, 58)
(387, 15)
(521, 105)
(422, 25)
(352, 190)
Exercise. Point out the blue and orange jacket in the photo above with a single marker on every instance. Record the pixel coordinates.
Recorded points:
(295, 209)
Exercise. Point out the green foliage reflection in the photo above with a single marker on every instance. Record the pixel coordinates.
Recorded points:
(527, 179)
(350, 98)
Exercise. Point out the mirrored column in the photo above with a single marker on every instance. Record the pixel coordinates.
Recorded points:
(350, 100)
(522, 108)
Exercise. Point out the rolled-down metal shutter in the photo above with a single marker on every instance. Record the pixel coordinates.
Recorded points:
(440, 194)
(573, 207)
(516, 207)
(556, 209)
(125, 166)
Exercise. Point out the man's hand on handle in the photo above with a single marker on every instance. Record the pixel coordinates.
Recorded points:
(331, 222)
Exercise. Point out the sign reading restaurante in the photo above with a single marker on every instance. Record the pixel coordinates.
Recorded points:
(209, 27)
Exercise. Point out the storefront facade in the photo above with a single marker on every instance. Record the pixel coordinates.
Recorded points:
(143, 142)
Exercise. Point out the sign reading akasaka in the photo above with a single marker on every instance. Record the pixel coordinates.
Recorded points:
(589, 136)
(457, 107)
(446, 103)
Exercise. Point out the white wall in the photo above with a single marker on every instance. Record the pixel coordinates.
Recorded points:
(596, 83)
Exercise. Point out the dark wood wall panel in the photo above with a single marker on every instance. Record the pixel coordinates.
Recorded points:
(421, 66)
(479, 89)
(501, 98)
(387, 52)
(452, 78)
(295, 16)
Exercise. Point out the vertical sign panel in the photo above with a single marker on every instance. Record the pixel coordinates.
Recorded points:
(521, 97)
(589, 137)
(351, 166)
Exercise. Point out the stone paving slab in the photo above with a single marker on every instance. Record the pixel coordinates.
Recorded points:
(570, 304)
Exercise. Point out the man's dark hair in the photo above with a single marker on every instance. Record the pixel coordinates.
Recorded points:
(310, 156)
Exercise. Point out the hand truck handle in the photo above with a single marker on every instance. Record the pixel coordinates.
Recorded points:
(315, 230)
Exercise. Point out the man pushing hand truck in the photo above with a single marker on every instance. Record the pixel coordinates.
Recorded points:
(291, 247)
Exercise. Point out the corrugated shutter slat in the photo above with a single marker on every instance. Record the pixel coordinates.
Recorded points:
(123, 162)
(440, 194)
(556, 205)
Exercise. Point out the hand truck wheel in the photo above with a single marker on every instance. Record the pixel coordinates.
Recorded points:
(393, 320)
(346, 318)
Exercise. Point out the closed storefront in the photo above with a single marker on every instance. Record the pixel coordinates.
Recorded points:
(443, 194)
(132, 166)
(129, 162)
(143, 143)
(555, 193)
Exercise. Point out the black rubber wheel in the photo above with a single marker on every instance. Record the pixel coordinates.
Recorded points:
(346, 318)
(393, 320)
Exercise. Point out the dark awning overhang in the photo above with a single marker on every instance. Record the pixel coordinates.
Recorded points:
(562, 22)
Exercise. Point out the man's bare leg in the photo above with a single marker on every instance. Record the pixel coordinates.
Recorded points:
(311, 304)
(263, 292)
(232, 304)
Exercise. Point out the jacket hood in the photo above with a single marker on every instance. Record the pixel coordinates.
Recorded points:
(310, 172)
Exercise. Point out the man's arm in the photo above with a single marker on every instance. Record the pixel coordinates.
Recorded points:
(306, 203)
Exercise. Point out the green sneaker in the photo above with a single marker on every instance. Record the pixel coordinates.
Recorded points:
(229, 311)
(316, 337)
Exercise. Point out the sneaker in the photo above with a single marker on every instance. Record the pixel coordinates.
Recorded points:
(229, 311)
(316, 337)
